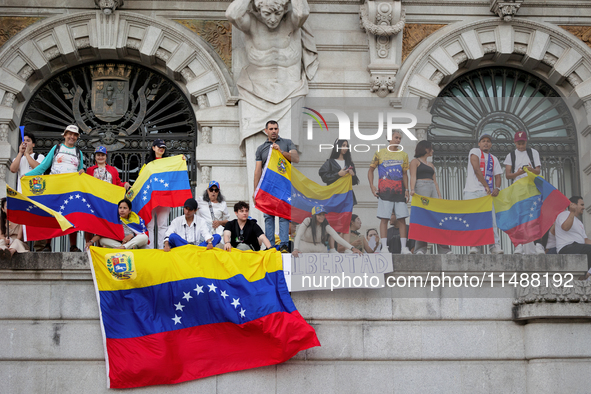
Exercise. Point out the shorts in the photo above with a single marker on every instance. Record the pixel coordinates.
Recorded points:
(387, 208)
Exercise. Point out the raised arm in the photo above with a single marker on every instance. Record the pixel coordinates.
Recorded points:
(237, 14)
(300, 10)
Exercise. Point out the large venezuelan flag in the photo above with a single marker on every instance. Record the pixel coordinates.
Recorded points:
(191, 313)
(161, 183)
(452, 222)
(286, 192)
(528, 208)
(23, 210)
(88, 203)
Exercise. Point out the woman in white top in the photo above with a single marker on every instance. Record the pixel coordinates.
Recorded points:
(312, 235)
(213, 209)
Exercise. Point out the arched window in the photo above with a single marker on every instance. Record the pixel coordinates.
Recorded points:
(122, 106)
(500, 101)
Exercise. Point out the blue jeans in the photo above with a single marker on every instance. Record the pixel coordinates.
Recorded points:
(283, 230)
(176, 240)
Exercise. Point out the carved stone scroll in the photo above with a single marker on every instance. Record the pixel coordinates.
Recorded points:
(383, 21)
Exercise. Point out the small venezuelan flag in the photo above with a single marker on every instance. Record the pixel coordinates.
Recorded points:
(169, 317)
(88, 203)
(452, 222)
(23, 210)
(286, 192)
(161, 183)
(528, 208)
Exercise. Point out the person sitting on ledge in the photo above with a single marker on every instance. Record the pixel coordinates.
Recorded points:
(11, 239)
(244, 233)
(570, 232)
(134, 228)
(312, 234)
(189, 229)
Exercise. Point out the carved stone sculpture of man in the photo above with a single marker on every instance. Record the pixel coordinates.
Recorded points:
(281, 57)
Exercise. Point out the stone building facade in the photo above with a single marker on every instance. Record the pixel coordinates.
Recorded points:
(411, 49)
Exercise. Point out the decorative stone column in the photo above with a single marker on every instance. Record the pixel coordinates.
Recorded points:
(205, 135)
(383, 21)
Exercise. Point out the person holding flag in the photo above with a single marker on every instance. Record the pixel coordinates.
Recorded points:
(312, 235)
(288, 150)
(483, 177)
(11, 239)
(523, 156)
(134, 229)
(25, 161)
(63, 158)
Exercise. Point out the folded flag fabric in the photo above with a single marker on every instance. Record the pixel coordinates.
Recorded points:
(87, 202)
(286, 192)
(273, 193)
(169, 317)
(161, 183)
(22, 210)
(451, 222)
(135, 223)
(527, 209)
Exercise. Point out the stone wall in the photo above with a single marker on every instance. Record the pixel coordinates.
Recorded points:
(386, 340)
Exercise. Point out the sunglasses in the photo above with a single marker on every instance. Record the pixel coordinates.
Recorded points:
(214, 190)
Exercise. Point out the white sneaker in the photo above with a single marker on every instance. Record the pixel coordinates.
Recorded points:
(450, 252)
(405, 250)
(497, 250)
(420, 251)
(540, 249)
(474, 250)
(518, 249)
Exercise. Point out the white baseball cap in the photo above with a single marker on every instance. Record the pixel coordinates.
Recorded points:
(72, 128)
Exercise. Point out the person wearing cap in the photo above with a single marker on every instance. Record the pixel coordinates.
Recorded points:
(213, 209)
(159, 214)
(483, 177)
(523, 156)
(189, 229)
(289, 151)
(312, 235)
(244, 233)
(63, 158)
(101, 170)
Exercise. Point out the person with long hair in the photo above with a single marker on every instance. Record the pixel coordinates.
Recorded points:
(213, 210)
(11, 239)
(424, 183)
(134, 229)
(338, 165)
(159, 221)
(312, 234)
(356, 239)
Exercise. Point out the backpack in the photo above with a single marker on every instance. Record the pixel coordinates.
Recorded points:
(529, 154)
(48, 171)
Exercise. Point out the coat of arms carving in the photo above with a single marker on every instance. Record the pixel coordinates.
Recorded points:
(110, 91)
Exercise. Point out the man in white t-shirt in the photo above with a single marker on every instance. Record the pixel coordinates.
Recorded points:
(570, 232)
(523, 157)
(24, 162)
(483, 177)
